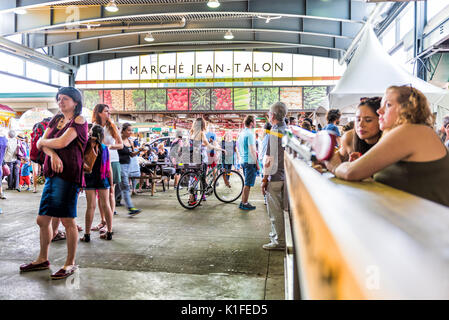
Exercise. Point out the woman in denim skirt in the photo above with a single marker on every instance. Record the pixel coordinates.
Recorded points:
(63, 142)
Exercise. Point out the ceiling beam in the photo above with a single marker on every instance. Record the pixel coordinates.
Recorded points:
(27, 25)
(180, 46)
(220, 31)
(30, 54)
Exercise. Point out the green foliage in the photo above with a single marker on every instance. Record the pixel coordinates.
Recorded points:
(200, 99)
(244, 98)
(91, 98)
(266, 97)
(139, 99)
(155, 99)
(313, 96)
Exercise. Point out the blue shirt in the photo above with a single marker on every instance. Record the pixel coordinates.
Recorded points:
(246, 139)
(264, 147)
(26, 168)
(332, 127)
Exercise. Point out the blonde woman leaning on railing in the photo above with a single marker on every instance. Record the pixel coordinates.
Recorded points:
(409, 156)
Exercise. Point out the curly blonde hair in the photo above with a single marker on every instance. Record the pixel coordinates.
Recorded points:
(414, 106)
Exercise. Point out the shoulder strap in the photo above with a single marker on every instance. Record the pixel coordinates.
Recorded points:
(131, 144)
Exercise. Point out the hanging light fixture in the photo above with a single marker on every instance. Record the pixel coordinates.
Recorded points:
(213, 4)
(149, 37)
(111, 6)
(228, 35)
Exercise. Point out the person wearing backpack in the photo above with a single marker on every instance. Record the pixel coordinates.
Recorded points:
(112, 139)
(98, 180)
(63, 169)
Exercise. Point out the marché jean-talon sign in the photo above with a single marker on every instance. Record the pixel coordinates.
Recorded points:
(210, 66)
(205, 69)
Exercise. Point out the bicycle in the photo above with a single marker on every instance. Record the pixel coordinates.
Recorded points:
(196, 182)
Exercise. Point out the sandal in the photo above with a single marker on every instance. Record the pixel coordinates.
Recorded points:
(79, 228)
(106, 236)
(64, 273)
(85, 238)
(35, 267)
(100, 226)
(59, 236)
(103, 230)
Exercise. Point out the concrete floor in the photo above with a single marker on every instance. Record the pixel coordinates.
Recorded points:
(213, 252)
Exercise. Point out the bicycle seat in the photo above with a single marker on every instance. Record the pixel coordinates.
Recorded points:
(190, 165)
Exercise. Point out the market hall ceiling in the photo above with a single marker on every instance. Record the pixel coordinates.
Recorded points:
(86, 32)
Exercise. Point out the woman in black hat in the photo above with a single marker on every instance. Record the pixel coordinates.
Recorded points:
(63, 142)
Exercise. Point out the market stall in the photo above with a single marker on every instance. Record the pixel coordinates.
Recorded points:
(6, 113)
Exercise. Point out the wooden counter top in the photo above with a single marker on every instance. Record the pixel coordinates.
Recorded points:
(365, 240)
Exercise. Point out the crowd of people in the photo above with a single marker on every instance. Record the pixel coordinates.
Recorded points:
(392, 139)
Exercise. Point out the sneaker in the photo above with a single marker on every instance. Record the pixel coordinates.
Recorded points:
(2, 196)
(18, 189)
(247, 206)
(273, 246)
(134, 211)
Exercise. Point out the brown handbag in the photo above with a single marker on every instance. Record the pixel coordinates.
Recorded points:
(90, 154)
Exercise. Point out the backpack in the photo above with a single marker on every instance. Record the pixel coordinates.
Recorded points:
(90, 154)
(36, 155)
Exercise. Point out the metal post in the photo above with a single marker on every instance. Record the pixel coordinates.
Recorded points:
(419, 24)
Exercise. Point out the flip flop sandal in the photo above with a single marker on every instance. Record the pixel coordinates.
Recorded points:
(59, 236)
(100, 226)
(64, 273)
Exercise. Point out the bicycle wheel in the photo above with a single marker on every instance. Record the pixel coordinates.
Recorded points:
(228, 186)
(189, 190)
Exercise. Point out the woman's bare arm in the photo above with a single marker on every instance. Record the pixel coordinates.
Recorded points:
(393, 147)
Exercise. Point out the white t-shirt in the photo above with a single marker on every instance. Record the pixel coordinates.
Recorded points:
(109, 140)
(11, 150)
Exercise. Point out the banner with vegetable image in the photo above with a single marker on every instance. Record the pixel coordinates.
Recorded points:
(292, 97)
(244, 98)
(177, 99)
(199, 99)
(266, 97)
(135, 100)
(222, 99)
(155, 99)
(114, 99)
(313, 96)
(92, 98)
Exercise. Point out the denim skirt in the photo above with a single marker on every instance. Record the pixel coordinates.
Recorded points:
(59, 198)
(94, 182)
